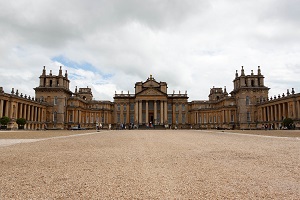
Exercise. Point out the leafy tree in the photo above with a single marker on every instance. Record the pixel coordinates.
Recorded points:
(4, 120)
(288, 122)
(21, 122)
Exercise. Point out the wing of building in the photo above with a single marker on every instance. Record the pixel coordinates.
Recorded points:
(54, 106)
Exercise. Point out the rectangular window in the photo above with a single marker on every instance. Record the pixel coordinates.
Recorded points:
(183, 118)
(248, 117)
(55, 100)
(118, 118)
(71, 117)
(169, 106)
(125, 119)
(132, 106)
(125, 107)
(176, 108)
(169, 118)
(131, 117)
(183, 107)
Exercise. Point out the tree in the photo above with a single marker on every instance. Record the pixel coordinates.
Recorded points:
(4, 121)
(21, 122)
(288, 122)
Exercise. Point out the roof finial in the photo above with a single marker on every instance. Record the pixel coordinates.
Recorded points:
(242, 71)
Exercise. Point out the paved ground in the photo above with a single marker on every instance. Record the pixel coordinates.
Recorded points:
(150, 165)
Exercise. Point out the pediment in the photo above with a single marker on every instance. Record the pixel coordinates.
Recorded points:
(151, 83)
(151, 92)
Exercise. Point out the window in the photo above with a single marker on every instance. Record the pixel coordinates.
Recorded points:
(176, 118)
(131, 106)
(118, 107)
(131, 117)
(183, 107)
(248, 117)
(247, 100)
(118, 118)
(125, 107)
(183, 118)
(71, 116)
(169, 106)
(55, 116)
(176, 107)
(170, 118)
(50, 83)
(55, 100)
(125, 118)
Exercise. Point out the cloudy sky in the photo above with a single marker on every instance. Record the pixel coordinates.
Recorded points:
(109, 45)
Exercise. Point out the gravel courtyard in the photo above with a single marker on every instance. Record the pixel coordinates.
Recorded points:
(147, 164)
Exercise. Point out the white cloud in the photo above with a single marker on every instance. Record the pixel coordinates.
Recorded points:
(192, 45)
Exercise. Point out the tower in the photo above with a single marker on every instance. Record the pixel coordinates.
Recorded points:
(249, 90)
(54, 90)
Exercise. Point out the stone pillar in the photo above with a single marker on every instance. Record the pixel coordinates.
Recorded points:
(283, 111)
(272, 113)
(294, 110)
(147, 112)
(1, 108)
(25, 112)
(279, 112)
(161, 112)
(165, 111)
(140, 112)
(21, 110)
(136, 112)
(6, 109)
(155, 112)
(276, 112)
(35, 113)
(298, 110)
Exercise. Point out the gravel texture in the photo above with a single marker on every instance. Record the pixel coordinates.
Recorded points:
(165, 164)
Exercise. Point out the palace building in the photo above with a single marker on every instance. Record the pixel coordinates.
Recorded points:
(55, 106)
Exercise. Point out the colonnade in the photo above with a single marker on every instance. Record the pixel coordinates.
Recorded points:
(277, 112)
(86, 117)
(224, 116)
(159, 114)
(34, 114)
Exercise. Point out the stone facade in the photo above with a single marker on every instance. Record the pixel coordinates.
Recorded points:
(54, 106)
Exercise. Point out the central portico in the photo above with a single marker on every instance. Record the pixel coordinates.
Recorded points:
(150, 105)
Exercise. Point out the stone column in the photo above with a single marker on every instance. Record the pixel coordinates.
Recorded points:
(279, 111)
(298, 110)
(140, 112)
(276, 112)
(283, 111)
(165, 111)
(25, 112)
(294, 110)
(272, 113)
(155, 113)
(136, 112)
(6, 109)
(36, 113)
(147, 112)
(1, 108)
(21, 110)
(161, 112)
